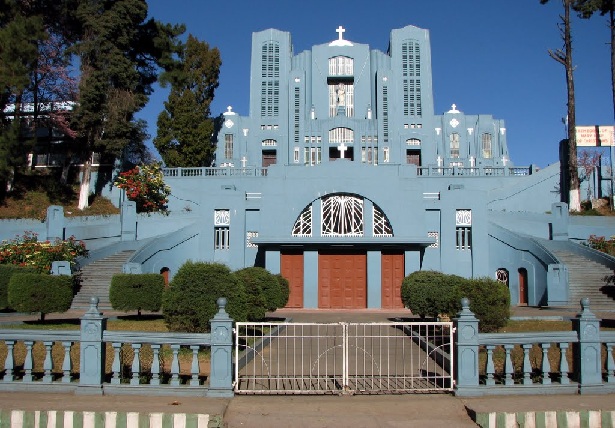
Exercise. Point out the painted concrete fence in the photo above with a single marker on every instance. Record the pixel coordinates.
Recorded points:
(591, 351)
(175, 364)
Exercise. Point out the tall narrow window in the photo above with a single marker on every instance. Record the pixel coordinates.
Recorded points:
(454, 143)
(296, 155)
(411, 78)
(228, 146)
(312, 156)
(270, 78)
(385, 155)
(463, 220)
(487, 154)
(385, 114)
(222, 222)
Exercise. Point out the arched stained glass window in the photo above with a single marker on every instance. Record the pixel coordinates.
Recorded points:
(382, 227)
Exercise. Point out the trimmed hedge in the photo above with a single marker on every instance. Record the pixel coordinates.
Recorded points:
(32, 292)
(489, 300)
(429, 293)
(6, 272)
(190, 300)
(136, 292)
(263, 290)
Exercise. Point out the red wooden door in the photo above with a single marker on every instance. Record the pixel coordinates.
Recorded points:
(392, 268)
(522, 286)
(292, 270)
(342, 281)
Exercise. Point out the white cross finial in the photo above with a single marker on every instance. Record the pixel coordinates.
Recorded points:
(340, 30)
(454, 107)
(342, 148)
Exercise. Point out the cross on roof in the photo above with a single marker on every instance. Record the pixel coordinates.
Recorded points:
(340, 30)
(342, 148)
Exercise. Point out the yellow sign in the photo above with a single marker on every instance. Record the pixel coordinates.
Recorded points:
(593, 136)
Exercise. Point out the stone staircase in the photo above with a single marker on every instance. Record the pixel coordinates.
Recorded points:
(96, 280)
(586, 279)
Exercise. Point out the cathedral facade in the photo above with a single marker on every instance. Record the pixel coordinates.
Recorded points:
(343, 179)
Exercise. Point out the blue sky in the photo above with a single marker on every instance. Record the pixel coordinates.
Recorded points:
(488, 56)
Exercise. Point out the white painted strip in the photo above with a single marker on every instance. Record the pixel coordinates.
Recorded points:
(529, 420)
(179, 420)
(612, 418)
(550, 419)
(37, 419)
(595, 418)
(68, 419)
(52, 417)
(573, 419)
(110, 419)
(493, 417)
(89, 420)
(203, 421)
(510, 420)
(132, 419)
(155, 420)
(17, 419)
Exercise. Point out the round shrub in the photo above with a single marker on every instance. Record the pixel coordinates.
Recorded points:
(263, 291)
(489, 300)
(31, 292)
(429, 293)
(136, 292)
(285, 290)
(190, 300)
(6, 272)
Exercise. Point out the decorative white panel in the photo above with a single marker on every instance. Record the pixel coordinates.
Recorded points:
(382, 227)
(222, 218)
(342, 215)
(249, 237)
(303, 224)
(435, 235)
(463, 218)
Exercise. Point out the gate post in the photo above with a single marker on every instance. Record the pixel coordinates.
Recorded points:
(92, 354)
(221, 377)
(588, 352)
(466, 350)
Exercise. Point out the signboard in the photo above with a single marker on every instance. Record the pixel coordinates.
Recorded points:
(594, 136)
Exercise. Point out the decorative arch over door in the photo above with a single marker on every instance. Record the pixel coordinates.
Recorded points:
(343, 215)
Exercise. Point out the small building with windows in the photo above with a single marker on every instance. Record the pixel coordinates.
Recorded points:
(343, 179)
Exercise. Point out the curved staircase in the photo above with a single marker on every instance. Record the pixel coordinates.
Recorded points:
(96, 280)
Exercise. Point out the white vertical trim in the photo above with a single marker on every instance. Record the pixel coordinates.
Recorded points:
(179, 420)
(110, 419)
(595, 418)
(155, 420)
(203, 421)
(52, 416)
(529, 420)
(550, 419)
(573, 420)
(89, 420)
(17, 419)
(132, 419)
(68, 419)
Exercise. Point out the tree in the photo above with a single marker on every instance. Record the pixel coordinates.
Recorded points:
(119, 53)
(19, 37)
(185, 127)
(588, 161)
(564, 57)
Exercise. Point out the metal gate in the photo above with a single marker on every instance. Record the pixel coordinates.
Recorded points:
(343, 358)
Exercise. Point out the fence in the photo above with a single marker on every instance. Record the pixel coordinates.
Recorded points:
(556, 362)
(95, 360)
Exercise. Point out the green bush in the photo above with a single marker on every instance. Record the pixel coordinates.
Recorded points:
(430, 293)
(6, 272)
(260, 287)
(31, 292)
(136, 292)
(190, 301)
(489, 300)
(285, 290)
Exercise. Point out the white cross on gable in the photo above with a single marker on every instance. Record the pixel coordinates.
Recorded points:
(340, 30)
(342, 148)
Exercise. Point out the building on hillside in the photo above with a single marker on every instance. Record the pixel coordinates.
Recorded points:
(344, 180)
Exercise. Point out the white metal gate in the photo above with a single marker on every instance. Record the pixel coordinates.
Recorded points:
(340, 358)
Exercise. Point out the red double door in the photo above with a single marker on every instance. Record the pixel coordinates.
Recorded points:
(342, 279)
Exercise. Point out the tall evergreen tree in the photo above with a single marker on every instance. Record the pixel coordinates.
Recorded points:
(185, 127)
(119, 52)
(564, 57)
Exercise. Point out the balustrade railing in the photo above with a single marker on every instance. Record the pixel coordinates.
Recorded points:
(98, 359)
(215, 172)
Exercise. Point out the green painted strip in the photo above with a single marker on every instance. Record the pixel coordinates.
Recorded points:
(192, 421)
(99, 420)
(561, 419)
(608, 419)
(43, 419)
(77, 420)
(482, 420)
(541, 420)
(144, 420)
(120, 420)
(500, 420)
(5, 419)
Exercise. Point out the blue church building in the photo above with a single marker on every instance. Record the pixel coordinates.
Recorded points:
(344, 179)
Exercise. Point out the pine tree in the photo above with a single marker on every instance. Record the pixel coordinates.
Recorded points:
(185, 127)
